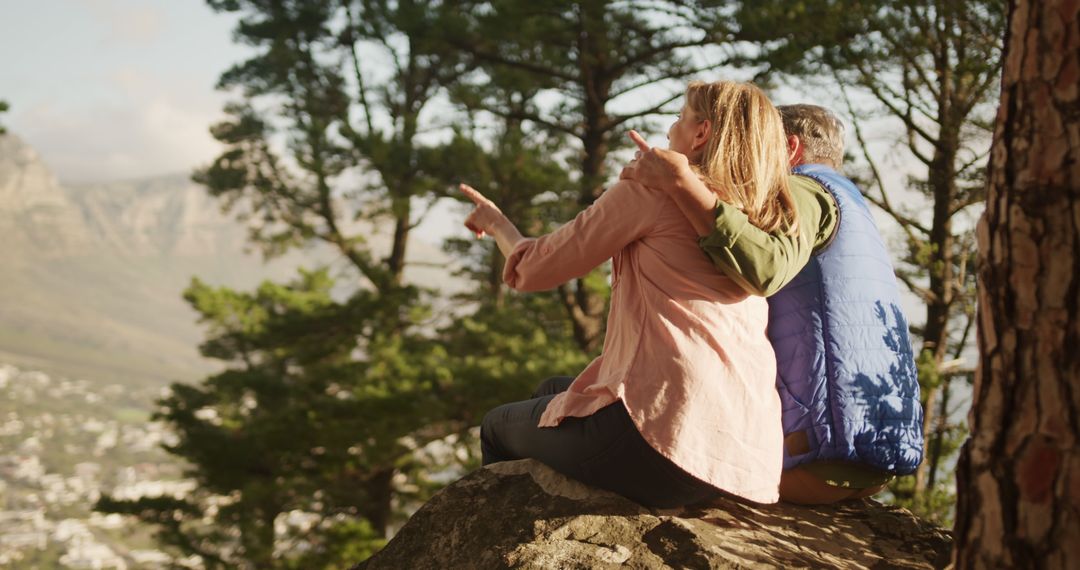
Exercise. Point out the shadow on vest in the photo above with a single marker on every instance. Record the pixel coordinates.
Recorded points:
(891, 402)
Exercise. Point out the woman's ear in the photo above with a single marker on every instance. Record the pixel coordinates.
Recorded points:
(701, 134)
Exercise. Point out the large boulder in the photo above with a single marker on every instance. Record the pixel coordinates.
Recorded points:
(522, 514)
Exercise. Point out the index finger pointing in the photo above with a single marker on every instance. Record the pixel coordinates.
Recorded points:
(639, 141)
(472, 194)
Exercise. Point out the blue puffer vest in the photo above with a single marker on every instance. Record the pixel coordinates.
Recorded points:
(846, 374)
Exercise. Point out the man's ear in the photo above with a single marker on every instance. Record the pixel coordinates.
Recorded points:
(795, 150)
(701, 135)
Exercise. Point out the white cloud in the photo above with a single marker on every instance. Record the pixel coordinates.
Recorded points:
(109, 89)
(126, 23)
(145, 136)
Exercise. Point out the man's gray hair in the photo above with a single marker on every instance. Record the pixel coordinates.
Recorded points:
(819, 131)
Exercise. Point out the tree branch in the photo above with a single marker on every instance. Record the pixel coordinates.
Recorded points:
(533, 117)
(903, 221)
(655, 80)
(522, 65)
(978, 158)
(620, 119)
(912, 63)
(964, 204)
(922, 293)
(882, 94)
(646, 55)
(420, 218)
(356, 66)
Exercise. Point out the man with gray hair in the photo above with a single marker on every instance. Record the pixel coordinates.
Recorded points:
(846, 373)
(816, 132)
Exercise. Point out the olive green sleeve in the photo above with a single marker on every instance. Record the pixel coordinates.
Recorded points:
(763, 262)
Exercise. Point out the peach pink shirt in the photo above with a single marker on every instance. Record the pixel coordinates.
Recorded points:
(685, 351)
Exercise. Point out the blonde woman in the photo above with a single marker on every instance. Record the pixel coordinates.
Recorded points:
(682, 402)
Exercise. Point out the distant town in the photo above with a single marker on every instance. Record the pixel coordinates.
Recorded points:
(63, 443)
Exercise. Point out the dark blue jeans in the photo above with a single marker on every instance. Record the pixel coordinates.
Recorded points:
(604, 450)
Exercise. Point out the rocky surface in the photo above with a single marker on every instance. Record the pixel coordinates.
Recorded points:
(522, 514)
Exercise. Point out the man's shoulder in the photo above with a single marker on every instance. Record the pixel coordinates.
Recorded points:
(804, 184)
(805, 189)
(822, 175)
(817, 208)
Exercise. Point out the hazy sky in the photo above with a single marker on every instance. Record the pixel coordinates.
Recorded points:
(112, 89)
(108, 89)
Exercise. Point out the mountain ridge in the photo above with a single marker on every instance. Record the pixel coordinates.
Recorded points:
(95, 272)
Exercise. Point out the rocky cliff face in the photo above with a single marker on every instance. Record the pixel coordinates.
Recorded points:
(159, 216)
(25, 183)
(169, 215)
(36, 214)
(522, 514)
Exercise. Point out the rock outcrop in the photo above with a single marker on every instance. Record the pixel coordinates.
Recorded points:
(36, 215)
(522, 514)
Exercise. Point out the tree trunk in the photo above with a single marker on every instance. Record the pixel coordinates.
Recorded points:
(935, 438)
(378, 506)
(1019, 475)
(586, 306)
(496, 261)
(942, 179)
(396, 261)
(586, 311)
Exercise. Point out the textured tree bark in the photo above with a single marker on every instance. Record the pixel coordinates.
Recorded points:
(1019, 476)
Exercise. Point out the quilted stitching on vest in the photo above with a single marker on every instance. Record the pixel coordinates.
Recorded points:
(846, 372)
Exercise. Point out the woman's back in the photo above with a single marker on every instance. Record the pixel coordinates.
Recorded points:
(683, 400)
(685, 349)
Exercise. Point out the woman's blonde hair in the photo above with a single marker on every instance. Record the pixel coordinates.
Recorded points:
(745, 160)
